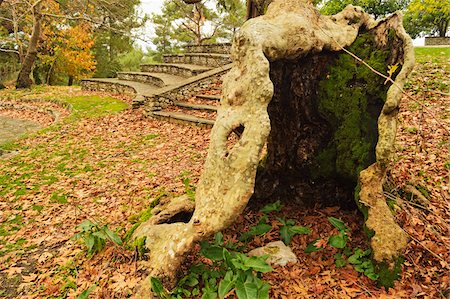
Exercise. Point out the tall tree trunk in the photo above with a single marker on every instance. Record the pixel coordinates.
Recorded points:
(256, 8)
(70, 83)
(24, 80)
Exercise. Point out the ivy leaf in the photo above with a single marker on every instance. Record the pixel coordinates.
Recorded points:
(218, 239)
(339, 261)
(258, 230)
(337, 241)
(226, 284)
(288, 232)
(337, 223)
(258, 264)
(354, 259)
(211, 252)
(209, 294)
(246, 290)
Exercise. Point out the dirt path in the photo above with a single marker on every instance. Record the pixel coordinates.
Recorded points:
(11, 128)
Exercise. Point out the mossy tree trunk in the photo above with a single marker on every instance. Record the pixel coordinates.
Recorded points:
(323, 118)
(328, 122)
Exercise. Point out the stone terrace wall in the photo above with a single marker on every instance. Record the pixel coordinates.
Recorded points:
(437, 41)
(94, 85)
(166, 98)
(139, 77)
(205, 59)
(169, 69)
(213, 48)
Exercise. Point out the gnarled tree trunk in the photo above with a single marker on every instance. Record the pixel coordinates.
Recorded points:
(328, 122)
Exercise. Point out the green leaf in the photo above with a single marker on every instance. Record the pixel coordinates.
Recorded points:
(258, 230)
(212, 252)
(113, 236)
(218, 239)
(304, 230)
(226, 284)
(263, 290)
(246, 290)
(338, 241)
(192, 281)
(258, 264)
(86, 225)
(359, 268)
(312, 247)
(284, 234)
(99, 235)
(276, 206)
(337, 223)
(85, 294)
(90, 241)
(371, 274)
(209, 294)
(288, 232)
(157, 287)
(354, 259)
(339, 261)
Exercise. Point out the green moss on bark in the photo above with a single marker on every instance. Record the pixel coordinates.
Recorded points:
(350, 99)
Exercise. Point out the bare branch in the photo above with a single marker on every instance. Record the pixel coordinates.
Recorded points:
(9, 51)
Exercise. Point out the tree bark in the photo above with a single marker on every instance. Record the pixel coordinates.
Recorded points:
(70, 82)
(24, 80)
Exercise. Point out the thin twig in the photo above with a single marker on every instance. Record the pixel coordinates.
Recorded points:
(426, 248)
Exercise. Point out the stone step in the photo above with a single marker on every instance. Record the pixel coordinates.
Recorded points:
(195, 106)
(183, 70)
(222, 48)
(205, 59)
(209, 97)
(179, 117)
(157, 79)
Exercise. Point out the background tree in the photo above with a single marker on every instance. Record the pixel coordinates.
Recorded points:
(428, 17)
(180, 23)
(65, 54)
(112, 22)
(377, 8)
(113, 36)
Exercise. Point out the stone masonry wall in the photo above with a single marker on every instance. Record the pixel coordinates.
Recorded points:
(169, 69)
(213, 48)
(139, 77)
(158, 102)
(212, 60)
(94, 85)
(437, 41)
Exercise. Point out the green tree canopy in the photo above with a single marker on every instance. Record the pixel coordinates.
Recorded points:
(377, 8)
(428, 16)
(179, 23)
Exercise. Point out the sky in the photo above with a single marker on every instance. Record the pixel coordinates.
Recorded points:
(149, 7)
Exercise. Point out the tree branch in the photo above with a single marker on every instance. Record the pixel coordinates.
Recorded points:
(9, 51)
